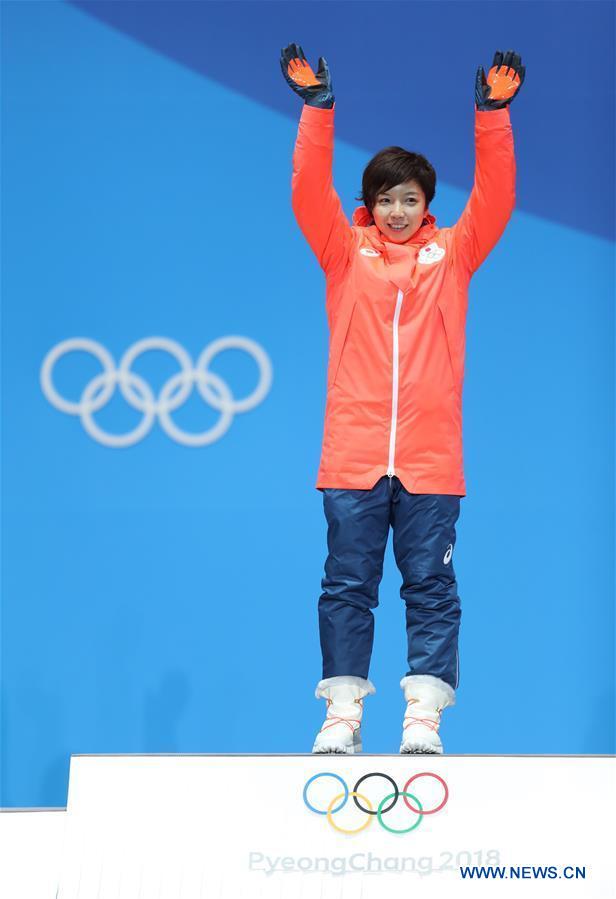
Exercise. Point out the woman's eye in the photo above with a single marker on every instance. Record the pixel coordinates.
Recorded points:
(386, 200)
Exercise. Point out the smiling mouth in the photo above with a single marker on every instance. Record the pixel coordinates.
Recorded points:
(398, 227)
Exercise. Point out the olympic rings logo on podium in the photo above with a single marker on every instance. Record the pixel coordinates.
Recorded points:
(137, 392)
(339, 800)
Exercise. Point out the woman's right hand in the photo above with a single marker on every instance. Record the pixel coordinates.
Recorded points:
(315, 90)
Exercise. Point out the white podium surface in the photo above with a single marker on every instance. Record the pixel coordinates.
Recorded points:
(252, 826)
(31, 841)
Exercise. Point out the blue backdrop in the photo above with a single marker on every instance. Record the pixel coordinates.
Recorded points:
(161, 596)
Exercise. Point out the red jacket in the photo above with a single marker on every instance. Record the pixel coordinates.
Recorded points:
(397, 315)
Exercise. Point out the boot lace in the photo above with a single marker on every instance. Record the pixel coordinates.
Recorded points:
(415, 719)
(330, 720)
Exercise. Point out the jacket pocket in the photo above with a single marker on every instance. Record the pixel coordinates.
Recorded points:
(338, 344)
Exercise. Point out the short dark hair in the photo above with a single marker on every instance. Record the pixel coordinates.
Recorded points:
(392, 166)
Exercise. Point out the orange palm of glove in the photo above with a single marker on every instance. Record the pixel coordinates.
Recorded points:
(301, 73)
(503, 84)
(315, 88)
(504, 80)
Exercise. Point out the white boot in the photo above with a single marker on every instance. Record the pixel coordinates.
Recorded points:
(345, 697)
(426, 697)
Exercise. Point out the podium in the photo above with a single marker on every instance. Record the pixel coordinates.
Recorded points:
(334, 826)
(31, 841)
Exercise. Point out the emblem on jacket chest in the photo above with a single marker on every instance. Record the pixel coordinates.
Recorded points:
(430, 253)
(368, 251)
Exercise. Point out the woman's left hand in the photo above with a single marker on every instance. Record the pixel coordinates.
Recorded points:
(503, 82)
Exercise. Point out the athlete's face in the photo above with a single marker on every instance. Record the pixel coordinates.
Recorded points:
(405, 205)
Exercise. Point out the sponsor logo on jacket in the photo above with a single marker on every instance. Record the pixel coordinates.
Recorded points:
(368, 251)
(430, 253)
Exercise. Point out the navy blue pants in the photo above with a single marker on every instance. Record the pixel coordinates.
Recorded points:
(424, 532)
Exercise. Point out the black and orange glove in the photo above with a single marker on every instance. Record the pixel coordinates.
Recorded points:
(315, 90)
(503, 82)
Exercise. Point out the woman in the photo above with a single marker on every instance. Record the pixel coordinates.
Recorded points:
(396, 300)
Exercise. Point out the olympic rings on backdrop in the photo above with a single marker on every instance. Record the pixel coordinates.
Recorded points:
(405, 829)
(370, 812)
(325, 774)
(387, 777)
(138, 393)
(432, 811)
(343, 829)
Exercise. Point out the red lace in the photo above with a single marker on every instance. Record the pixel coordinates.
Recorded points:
(335, 719)
(427, 722)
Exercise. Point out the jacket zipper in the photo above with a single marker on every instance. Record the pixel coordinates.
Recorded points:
(394, 392)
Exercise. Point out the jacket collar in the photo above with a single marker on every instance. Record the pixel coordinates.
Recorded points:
(428, 228)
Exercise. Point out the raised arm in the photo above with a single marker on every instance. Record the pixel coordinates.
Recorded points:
(492, 198)
(316, 204)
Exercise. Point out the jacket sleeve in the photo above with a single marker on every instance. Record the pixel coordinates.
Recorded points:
(316, 204)
(492, 198)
